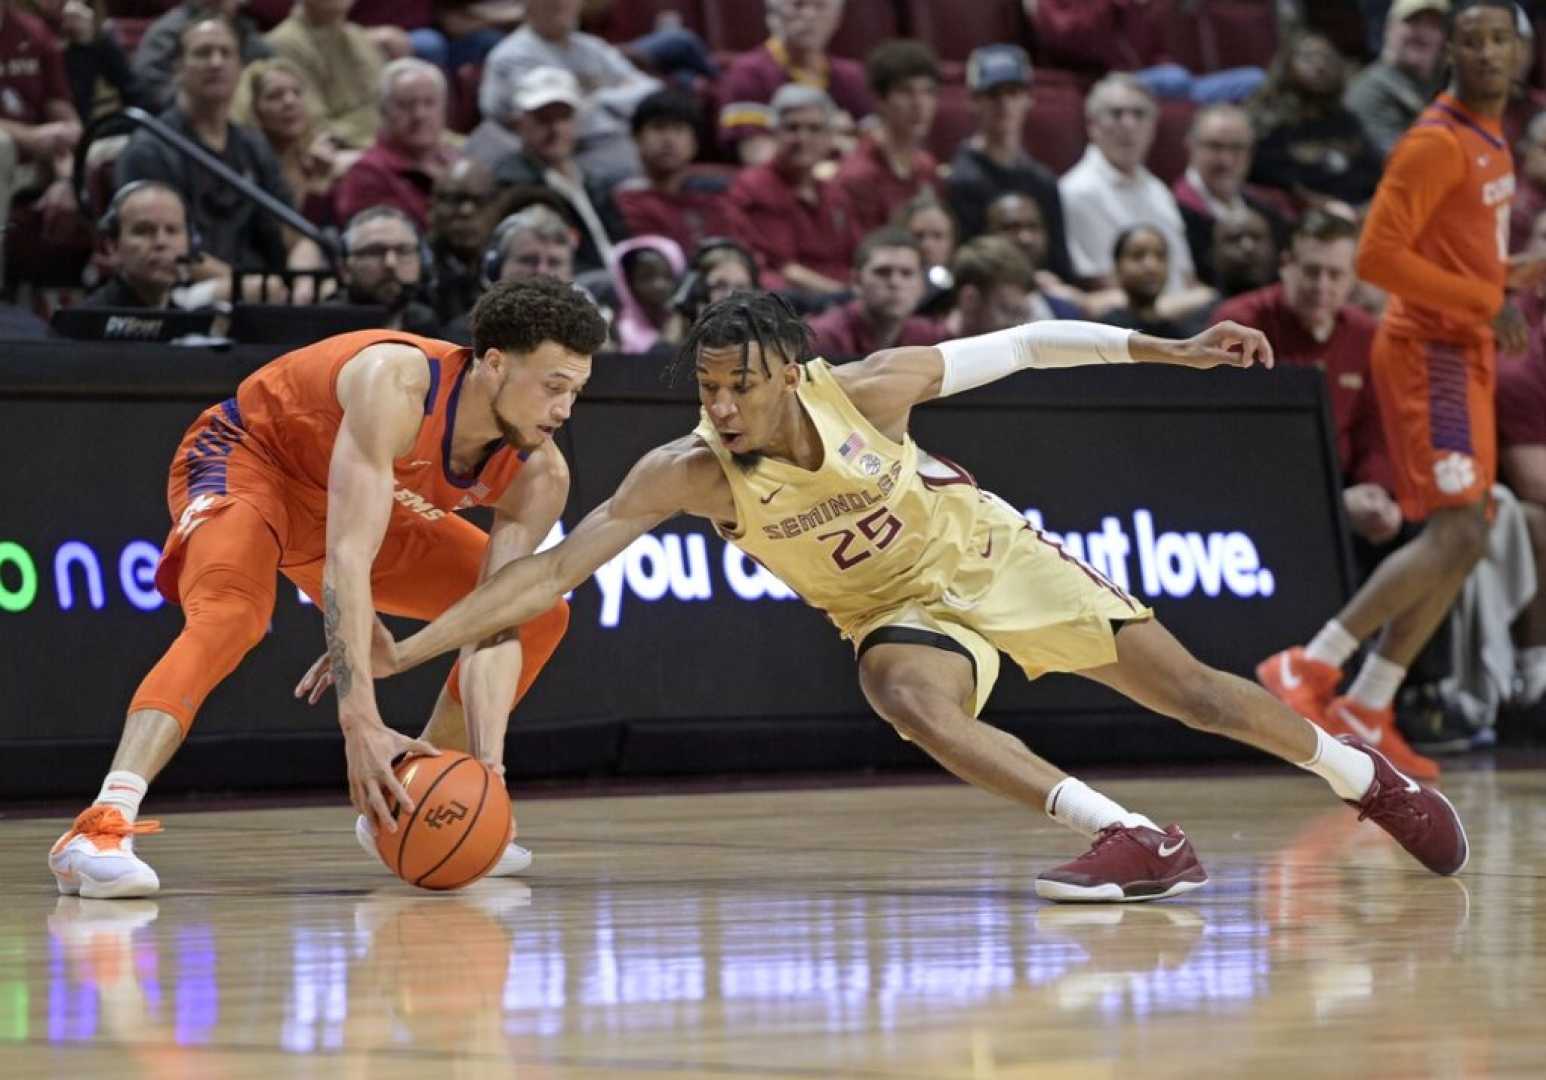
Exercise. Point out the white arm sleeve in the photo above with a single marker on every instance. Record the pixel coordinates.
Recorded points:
(975, 361)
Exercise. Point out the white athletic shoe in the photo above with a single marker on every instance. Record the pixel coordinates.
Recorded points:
(96, 859)
(512, 863)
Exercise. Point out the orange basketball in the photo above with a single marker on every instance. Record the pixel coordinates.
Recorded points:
(459, 826)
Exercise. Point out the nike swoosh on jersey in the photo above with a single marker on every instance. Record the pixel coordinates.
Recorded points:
(770, 495)
(1167, 850)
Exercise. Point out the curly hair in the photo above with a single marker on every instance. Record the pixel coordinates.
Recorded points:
(738, 320)
(517, 316)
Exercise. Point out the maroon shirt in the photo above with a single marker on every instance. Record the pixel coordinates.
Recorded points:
(383, 176)
(409, 14)
(31, 68)
(1344, 357)
(754, 76)
(1529, 201)
(844, 331)
(782, 228)
(1521, 392)
(875, 190)
(1104, 35)
(686, 216)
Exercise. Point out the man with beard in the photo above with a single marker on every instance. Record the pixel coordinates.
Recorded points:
(385, 264)
(342, 464)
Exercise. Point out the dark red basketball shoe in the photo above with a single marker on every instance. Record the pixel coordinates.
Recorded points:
(1125, 864)
(1420, 818)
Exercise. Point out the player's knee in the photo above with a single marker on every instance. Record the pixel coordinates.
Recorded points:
(1462, 535)
(914, 710)
(229, 606)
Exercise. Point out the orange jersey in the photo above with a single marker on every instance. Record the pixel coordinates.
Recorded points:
(1437, 234)
(286, 416)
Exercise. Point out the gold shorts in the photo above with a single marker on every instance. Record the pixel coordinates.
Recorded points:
(1026, 597)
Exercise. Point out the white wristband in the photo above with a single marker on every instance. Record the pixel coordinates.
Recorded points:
(976, 361)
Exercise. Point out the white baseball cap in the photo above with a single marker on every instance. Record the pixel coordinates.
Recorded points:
(545, 86)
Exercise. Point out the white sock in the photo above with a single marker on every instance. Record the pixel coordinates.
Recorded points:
(1531, 665)
(1083, 809)
(1348, 771)
(124, 790)
(1333, 645)
(1377, 682)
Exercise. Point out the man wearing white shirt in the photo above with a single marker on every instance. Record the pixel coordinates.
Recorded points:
(611, 85)
(1110, 190)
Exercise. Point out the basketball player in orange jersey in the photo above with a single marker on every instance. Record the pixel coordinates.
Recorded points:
(340, 465)
(810, 470)
(1437, 241)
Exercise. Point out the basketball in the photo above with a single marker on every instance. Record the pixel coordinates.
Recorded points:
(459, 826)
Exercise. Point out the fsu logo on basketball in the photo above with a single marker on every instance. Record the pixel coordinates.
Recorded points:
(444, 814)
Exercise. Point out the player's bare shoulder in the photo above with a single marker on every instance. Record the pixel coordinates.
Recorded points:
(885, 385)
(387, 367)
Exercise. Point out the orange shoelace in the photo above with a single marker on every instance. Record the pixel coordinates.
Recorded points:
(109, 821)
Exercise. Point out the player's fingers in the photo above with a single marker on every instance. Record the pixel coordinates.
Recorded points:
(320, 687)
(398, 792)
(320, 669)
(378, 809)
(419, 746)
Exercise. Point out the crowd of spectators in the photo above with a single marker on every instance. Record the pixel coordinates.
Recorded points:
(1082, 167)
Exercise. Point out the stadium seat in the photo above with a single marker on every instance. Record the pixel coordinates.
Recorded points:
(1054, 128)
(462, 107)
(734, 26)
(955, 27)
(1225, 34)
(866, 23)
(953, 122)
(1167, 159)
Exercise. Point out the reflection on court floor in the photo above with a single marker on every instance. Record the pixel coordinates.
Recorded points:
(876, 932)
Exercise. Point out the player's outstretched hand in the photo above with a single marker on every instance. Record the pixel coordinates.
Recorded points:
(383, 662)
(370, 748)
(1228, 344)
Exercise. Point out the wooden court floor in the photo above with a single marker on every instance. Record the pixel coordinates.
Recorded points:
(876, 932)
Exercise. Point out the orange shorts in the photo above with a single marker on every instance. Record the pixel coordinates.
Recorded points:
(423, 567)
(1436, 407)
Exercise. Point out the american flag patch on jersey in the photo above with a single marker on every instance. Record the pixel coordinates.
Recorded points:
(852, 446)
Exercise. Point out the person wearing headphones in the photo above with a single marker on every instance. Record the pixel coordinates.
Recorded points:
(149, 243)
(386, 263)
(533, 240)
(720, 266)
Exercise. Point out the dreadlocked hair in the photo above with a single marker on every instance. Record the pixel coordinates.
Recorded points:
(739, 320)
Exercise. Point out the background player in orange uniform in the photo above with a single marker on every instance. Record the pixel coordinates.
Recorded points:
(341, 465)
(1437, 241)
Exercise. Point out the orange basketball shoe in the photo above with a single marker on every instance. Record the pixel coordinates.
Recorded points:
(96, 859)
(1377, 728)
(1304, 685)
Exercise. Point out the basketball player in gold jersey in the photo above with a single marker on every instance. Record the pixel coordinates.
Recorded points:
(809, 468)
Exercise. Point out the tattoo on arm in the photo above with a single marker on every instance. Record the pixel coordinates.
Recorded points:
(343, 675)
